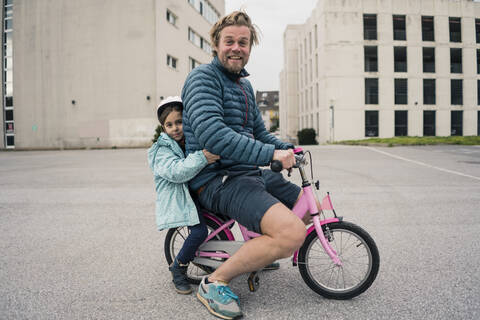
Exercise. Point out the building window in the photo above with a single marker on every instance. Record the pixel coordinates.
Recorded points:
(9, 115)
(371, 59)
(400, 59)
(456, 123)
(401, 123)
(10, 141)
(478, 123)
(171, 17)
(7, 83)
(478, 92)
(429, 123)
(428, 31)
(455, 29)
(193, 63)
(199, 41)
(206, 10)
(171, 61)
(477, 30)
(9, 129)
(371, 123)
(428, 59)
(371, 90)
(478, 61)
(401, 91)
(429, 91)
(399, 30)
(456, 60)
(456, 91)
(370, 27)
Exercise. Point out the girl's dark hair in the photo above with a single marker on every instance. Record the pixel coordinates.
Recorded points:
(167, 110)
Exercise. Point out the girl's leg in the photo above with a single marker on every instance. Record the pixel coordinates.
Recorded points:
(179, 267)
(198, 233)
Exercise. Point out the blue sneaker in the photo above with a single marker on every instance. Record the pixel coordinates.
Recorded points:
(179, 275)
(219, 299)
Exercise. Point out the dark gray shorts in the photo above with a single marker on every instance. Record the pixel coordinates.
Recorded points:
(247, 197)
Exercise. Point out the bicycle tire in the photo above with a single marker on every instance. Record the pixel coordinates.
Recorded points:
(351, 243)
(174, 241)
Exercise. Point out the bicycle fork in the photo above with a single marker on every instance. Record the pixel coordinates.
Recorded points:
(325, 243)
(317, 226)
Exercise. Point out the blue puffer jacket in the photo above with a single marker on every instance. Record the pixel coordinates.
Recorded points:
(174, 206)
(221, 115)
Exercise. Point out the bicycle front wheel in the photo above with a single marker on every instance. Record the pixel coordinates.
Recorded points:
(358, 254)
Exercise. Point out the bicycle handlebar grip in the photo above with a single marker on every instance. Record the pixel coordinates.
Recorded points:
(276, 166)
(298, 150)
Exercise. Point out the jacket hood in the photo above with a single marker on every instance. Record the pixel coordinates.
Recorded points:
(163, 141)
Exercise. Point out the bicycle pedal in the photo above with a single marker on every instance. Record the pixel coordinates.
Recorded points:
(253, 282)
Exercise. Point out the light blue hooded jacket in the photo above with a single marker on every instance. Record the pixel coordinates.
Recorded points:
(174, 206)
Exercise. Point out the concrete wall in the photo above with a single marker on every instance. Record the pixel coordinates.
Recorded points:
(288, 86)
(90, 73)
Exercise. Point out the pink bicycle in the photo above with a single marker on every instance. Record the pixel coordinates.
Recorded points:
(338, 260)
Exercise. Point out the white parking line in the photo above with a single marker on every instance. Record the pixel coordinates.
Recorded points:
(424, 164)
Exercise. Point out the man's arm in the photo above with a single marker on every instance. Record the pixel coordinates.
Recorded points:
(203, 107)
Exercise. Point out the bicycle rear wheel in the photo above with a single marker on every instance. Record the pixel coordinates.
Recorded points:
(174, 242)
(357, 252)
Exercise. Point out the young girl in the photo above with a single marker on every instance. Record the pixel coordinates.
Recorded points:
(172, 171)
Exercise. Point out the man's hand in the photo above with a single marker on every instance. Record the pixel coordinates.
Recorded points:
(285, 157)
(211, 158)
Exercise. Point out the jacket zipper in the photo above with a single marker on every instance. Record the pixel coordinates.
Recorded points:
(246, 102)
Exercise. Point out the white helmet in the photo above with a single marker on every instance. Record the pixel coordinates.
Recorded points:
(168, 101)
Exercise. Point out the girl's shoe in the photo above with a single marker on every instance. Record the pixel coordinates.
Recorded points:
(179, 274)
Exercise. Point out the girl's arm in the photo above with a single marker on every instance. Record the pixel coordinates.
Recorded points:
(175, 169)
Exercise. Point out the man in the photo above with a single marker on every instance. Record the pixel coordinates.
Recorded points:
(220, 115)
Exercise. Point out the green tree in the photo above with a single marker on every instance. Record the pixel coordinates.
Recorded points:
(158, 130)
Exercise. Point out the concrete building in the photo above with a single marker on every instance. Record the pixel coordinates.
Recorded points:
(267, 102)
(367, 68)
(90, 73)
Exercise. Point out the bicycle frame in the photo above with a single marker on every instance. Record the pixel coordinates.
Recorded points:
(306, 204)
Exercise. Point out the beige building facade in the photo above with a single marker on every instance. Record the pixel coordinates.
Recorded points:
(369, 68)
(86, 74)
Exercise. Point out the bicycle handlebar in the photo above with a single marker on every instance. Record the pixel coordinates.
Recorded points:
(277, 166)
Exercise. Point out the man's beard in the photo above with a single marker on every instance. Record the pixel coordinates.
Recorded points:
(233, 68)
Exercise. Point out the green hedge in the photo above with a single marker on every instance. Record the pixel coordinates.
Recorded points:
(307, 136)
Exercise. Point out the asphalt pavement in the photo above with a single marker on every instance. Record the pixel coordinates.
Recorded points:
(78, 237)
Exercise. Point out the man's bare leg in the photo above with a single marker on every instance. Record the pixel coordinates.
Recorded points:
(283, 233)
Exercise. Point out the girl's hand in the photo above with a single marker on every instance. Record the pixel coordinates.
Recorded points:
(211, 158)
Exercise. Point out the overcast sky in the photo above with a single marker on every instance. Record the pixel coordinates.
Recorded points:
(271, 17)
